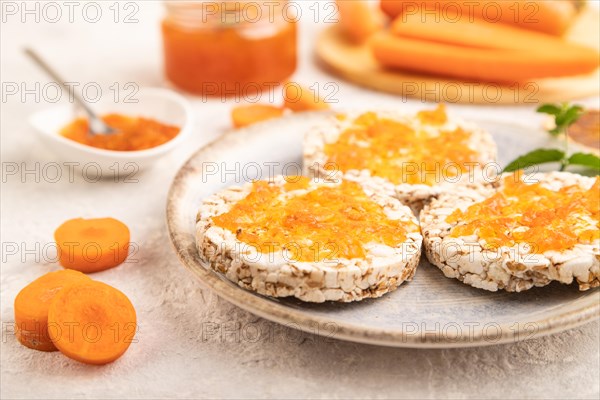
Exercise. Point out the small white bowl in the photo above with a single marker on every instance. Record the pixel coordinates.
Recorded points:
(161, 104)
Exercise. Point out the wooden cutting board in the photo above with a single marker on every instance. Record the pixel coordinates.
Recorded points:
(356, 64)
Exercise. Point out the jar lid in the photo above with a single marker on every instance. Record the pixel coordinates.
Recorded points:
(228, 12)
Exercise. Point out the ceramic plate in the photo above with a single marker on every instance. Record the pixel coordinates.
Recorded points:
(430, 311)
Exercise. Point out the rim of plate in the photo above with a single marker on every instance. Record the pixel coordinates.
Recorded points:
(581, 311)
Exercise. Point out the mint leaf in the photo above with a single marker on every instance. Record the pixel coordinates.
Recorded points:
(564, 115)
(556, 131)
(569, 116)
(539, 156)
(551, 109)
(589, 160)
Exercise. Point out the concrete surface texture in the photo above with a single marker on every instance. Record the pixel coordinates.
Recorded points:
(191, 344)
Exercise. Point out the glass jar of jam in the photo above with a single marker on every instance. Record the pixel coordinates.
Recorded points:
(225, 48)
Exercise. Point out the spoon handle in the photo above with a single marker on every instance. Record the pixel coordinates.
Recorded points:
(54, 75)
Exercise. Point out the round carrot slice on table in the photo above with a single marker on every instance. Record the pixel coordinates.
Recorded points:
(249, 114)
(298, 98)
(92, 245)
(35, 341)
(92, 322)
(32, 304)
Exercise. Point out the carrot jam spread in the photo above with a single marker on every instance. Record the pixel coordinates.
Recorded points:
(532, 214)
(313, 224)
(400, 153)
(132, 133)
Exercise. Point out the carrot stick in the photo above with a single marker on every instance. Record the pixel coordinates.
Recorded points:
(491, 65)
(92, 322)
(249, 114)
(393, 8)
(32, 304)
(459, 30)
(298, 98)
(550, 17)
(358, 21)
(92, 245)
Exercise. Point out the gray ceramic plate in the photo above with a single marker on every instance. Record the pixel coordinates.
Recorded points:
(430, 311)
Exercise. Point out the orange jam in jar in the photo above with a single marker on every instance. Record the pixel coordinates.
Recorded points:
(229, 48)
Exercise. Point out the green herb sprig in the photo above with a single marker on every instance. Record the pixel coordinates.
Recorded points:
(564, 115)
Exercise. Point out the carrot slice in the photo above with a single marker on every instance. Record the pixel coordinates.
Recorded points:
(298, 98)
(358, 21)
(92, 322)
(35, 341)
(92, 245)
(32, 304)
(459, 30)
(491, 65)
(549, 17)
(252, 113)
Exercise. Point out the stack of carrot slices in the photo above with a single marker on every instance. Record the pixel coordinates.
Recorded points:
(87, 320)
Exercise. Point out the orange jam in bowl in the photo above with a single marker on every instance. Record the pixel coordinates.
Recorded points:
(132, 133)
(532, 214)
(401, 152)
(313, 223)
(227, 48)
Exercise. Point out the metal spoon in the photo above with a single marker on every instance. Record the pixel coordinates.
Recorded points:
(96, 125)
